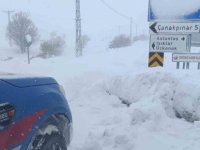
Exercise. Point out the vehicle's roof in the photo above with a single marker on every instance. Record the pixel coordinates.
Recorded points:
(22, 80)
(6, 75)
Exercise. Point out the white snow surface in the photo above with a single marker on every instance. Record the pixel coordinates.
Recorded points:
(96, 83)
(174, 8)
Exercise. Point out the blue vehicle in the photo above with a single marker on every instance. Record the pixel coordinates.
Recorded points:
(34, 114)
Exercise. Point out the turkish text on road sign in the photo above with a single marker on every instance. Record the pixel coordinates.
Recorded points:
(156, 59)
(186, 57)
(170, 43)
(170, 27)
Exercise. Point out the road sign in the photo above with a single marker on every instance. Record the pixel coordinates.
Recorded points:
(186, 57)
(170, 43)
(175, 27)
(156, 59)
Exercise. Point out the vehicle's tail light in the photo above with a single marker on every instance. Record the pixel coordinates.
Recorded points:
(11, 113)
(7, 112)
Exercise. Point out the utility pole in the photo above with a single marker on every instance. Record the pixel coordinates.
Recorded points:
(136, 30)
(78, 30)
(9, 12)
(131, 28)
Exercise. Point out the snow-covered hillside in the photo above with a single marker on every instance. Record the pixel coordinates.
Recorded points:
(118, 103)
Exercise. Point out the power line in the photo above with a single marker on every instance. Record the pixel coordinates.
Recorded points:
(114, 10)
(122, 15)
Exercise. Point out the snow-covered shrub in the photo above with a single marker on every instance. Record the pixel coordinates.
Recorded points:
(85, 39)
(53, 46)
(141, 37)
(120, 41)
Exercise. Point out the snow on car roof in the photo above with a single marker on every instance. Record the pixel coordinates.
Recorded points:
(6, 75)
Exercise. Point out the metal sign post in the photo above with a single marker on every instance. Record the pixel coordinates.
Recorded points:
(28, 55)
(183, 65)
(177, 65)
(187, 65)
(28, 42)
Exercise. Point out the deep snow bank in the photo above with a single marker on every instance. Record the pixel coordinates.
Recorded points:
(178, 99)
(102, 122)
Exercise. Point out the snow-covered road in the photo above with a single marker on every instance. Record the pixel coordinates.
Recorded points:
(119, 104)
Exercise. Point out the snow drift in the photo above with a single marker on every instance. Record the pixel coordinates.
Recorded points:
(161, 112)
(177, 99)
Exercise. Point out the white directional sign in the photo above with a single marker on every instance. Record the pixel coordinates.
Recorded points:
(175, 28)
(170, 43)
(187, 57)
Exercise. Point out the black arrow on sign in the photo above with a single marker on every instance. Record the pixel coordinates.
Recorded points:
(153, 27)
(183, 38)
(153, 45)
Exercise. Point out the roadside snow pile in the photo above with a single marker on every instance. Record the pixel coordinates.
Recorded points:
(103, 122)
(173, 9)
(177, 99)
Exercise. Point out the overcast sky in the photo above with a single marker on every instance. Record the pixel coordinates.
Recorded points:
(97, 19)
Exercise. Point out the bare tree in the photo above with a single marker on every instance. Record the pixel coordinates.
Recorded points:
(120, 41)
(19, 27)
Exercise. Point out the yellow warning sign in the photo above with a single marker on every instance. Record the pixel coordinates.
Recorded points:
(156, 59)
